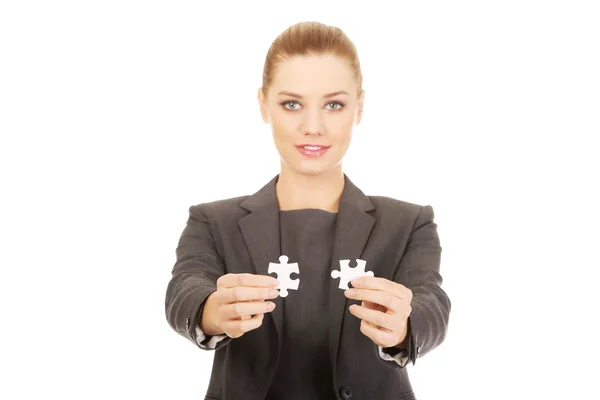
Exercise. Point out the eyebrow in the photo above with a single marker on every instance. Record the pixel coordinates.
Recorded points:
(299, 97)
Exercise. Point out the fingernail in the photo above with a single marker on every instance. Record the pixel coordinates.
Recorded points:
(350, 292)
(356, 282)
(274, 283)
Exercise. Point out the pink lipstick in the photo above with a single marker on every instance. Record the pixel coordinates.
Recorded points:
(312, 150)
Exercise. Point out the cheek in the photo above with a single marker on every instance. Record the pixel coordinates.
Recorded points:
(342, 130)
(283, 128)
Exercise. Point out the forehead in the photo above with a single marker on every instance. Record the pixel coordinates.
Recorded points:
(314, 75)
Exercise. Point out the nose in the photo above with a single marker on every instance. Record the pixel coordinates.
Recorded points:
(313, 124)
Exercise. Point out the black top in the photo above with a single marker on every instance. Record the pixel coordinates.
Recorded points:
(304, 369)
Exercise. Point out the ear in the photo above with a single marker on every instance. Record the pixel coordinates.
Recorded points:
(361, 102)
(263, 106)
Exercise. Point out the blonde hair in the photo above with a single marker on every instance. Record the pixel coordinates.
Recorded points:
(307, 38)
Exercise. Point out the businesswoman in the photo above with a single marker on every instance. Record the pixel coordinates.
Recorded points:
(316, 341)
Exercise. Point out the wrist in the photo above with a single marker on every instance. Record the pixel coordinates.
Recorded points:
(403, 343)
(208, 322)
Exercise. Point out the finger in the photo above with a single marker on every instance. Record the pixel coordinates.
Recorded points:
(244, 293)
(373, 306)
(385, 299)
(243, 309)
(376, 283)
(380, 337)
(253, 280)
(235, 329)
(377, 318)
(243, 317)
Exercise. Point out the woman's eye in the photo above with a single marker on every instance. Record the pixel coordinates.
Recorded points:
(294, 105)
(340, 105)
(287, 103)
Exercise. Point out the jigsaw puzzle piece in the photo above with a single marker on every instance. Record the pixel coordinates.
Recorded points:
(283, 271)
(347, 274)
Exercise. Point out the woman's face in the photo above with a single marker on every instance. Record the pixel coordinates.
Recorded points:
(312, 100)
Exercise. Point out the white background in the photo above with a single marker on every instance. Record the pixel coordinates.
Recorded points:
(116, 116)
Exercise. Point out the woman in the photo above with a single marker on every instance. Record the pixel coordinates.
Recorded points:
(319, 341)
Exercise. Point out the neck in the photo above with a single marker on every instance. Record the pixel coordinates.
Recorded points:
(296, 191)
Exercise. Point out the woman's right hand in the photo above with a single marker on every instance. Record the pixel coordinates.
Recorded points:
(238, 305)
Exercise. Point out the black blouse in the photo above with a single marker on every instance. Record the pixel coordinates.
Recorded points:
(304, 370)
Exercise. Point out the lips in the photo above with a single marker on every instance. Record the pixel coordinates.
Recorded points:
(312, 150)
(313, 147)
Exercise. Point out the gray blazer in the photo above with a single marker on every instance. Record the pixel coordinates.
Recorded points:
(241, 235)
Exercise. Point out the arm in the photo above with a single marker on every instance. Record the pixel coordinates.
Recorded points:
(419, 271)
(194, 278)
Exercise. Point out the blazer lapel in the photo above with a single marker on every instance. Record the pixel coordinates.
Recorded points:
(260, 229)
(353, 229)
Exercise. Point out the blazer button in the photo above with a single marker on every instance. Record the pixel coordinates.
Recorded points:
(346, 392)
(187, 324)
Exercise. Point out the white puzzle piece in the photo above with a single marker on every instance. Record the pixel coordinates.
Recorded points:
(347, 274)
(283, 271)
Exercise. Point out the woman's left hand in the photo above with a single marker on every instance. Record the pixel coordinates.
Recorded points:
(384, 310)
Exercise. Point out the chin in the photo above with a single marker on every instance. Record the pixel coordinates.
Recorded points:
(314, 169)
(309, 167)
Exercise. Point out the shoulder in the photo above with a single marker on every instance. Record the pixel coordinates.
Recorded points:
(225, 206)
(387, 204)
(389, 208)
(396, 210)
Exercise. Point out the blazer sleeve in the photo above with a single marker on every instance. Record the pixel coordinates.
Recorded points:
(419, 271)
(194, 278)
